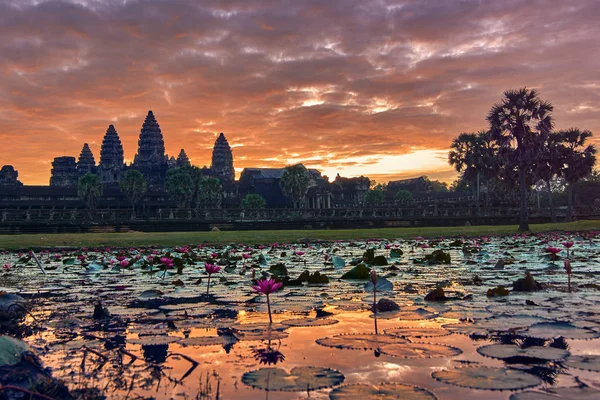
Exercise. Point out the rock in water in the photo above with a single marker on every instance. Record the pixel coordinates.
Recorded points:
(527, 284)
(386, 305)
(436, 295)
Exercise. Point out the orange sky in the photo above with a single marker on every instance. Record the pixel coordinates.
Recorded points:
(375, 88)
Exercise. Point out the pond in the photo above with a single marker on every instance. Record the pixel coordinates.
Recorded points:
(143, 322)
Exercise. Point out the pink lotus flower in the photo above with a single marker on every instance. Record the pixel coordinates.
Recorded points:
(214, 255)
(6, 267)
(245, 256)
(266, 287)
(210, 269)
(299, 253)
(124, 263)
(121, 258)
(568, 244)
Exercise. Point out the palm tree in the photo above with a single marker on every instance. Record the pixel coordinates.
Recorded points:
(579, 160)
(180, 186)
(210, 192)
(89, 189)
(517, 122)
(294, 183)
(134, 186)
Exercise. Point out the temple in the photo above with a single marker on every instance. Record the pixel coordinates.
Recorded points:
(153, 162)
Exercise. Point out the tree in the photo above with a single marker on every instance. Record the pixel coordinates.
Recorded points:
(134, 186)
(210, 193)
(516, 123)
(550, 163)
(476, 156)
(579, 160)
(376, 195)
(294, 183)
(253, 201)
(89, 189)
(403, 197)
(180, 186)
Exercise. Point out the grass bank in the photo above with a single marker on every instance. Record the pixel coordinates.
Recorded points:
(131, 239)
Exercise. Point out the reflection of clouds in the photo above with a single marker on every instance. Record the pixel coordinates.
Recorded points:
(378, 372)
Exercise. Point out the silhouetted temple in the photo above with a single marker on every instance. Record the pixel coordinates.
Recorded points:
(112, 163)
(151, 159)
(153, 162)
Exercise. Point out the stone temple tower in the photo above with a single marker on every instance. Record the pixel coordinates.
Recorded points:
(86, 163)
(151, 159)
(222, 160)
(112, 164)
(64, 172)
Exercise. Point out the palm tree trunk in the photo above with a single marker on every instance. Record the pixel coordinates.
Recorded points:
(570, 202)
(523, 220)
(550, 202)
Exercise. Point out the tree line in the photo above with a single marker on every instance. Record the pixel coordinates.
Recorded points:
(520, 149)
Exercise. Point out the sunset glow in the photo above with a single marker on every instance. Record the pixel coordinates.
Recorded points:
(355, 88)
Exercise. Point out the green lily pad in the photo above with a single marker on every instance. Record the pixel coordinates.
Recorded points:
(359, 341)
(359, 272)
(11, 350)
(297, 380)
(590, 362)
(487, 378)
(417, 332)
(578, 392)
(384, 391)
(507, 351)
(551, 330)
(309, 322)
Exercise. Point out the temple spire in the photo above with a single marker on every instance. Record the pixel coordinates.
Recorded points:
(151, 159)
(222, 160)
(111, 157)
(182, 159)
(86, 162)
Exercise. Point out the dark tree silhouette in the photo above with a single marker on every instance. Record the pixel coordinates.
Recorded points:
(294, 183)
(210, 192)
(579, 160)
(180, 186)
(517, 122)
(549, 164)
(134, 186)
(89, 189)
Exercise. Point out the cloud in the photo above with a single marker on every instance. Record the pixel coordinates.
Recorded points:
(339, 85)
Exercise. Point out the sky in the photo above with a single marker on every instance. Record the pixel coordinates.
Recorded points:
(374, 88)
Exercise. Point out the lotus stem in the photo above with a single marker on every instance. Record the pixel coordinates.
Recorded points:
(208, 284)
(269, 309)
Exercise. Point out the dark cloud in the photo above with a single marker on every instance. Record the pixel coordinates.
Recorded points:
(338, 84)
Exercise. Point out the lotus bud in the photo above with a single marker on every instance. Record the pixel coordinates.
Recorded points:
(373, 276)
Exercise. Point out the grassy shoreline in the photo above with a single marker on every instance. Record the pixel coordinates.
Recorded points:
(132, 239)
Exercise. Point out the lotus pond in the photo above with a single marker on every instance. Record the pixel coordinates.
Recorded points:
(151, 323)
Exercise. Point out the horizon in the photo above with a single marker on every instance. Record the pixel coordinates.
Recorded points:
(376, 89)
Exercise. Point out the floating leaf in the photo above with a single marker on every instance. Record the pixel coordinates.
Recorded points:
(383, 285)
(551, 330)
(11, 350)
(417, 332)
(359, 341)
(419, 350)
(415, 314)
(154, 340)
(578, 392)
(487, 378)
(338, 262)
(589, 362)
(298, 379)
(507, 351)
(359, 272)
(208, 341)
(309, 322)
(384, 391)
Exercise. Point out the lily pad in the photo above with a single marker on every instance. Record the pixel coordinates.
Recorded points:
(154, 340)
(551, 330)
(359, 272)
(578, 392)
(590, 362)
(419, 350)
(487, 378)
(359, 341)
(507, 351)
(383, 285)
(11, 350)
(298, 379)
(309, 322)
(417, 332)
(384, 391)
